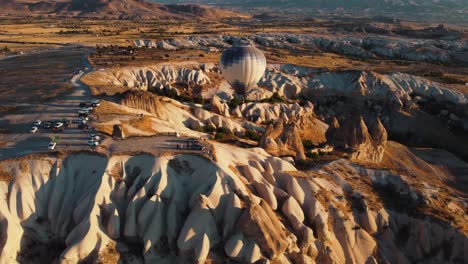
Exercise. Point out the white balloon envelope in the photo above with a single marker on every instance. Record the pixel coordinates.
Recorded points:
(242, 67)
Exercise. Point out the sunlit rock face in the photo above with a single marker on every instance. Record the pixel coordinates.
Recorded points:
(244, 206)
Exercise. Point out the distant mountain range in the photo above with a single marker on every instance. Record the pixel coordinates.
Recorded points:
(109, 9)
(440, 9)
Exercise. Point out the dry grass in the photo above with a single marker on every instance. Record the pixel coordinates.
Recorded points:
(325, 60)
(104, 129)
(108, 108)
(116, 172)
(143, 124)
(109, 255)
(235, 170)
(24, 166)
(97, 86)
(5, 176)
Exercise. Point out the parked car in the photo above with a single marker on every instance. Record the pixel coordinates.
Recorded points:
(95, 101)
(87, 109)
(83, 126)
(93, 143)
(47, 125)
(94, 137)
(193, 140)
(95, 104)
(196, 147)
(33, 129)
(37, 123)
(52, 145)
(82, 104)
(58, 127)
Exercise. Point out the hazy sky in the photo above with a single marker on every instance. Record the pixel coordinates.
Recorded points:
(437, 10)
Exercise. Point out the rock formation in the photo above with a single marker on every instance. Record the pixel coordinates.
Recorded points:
(246, 207)
(283, 138)
(144, 101)
(117, 132)
(366, 144)
(371, 46)
(219, 107)
(160, 78)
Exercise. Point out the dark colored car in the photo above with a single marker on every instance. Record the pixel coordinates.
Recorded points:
(193, 140)
(82, 104)
(83, 126)
(58, 129)
(47, 125)
(196, 147)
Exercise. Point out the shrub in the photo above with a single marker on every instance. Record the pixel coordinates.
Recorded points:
(223, 130)
(199, 100)
(275, 98)
(234, 103)
(308, 144)
(301, 163)
(209, 128)
(252, 135)
(219, 135)
(313, 155)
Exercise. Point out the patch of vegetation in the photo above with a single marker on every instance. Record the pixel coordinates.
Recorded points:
(443, 77)
(313, 156)
(223, 130)
(221, 133)
(209, 129)
(252, 135)
(301, 163)
(308, 144)
(302, 100)
(220, 136)
(84, 31)
(274, 99)
(171, 93)
(235, 102)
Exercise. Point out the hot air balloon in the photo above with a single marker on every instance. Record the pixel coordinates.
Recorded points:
(242, 67)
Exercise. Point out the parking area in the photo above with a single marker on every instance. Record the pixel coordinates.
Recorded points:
(65, 123)
(55, 120)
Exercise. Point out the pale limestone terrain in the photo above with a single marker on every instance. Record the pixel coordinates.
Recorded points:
(246, 205)
(370, 199)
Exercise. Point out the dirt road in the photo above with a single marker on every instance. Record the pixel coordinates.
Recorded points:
(155, 145)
